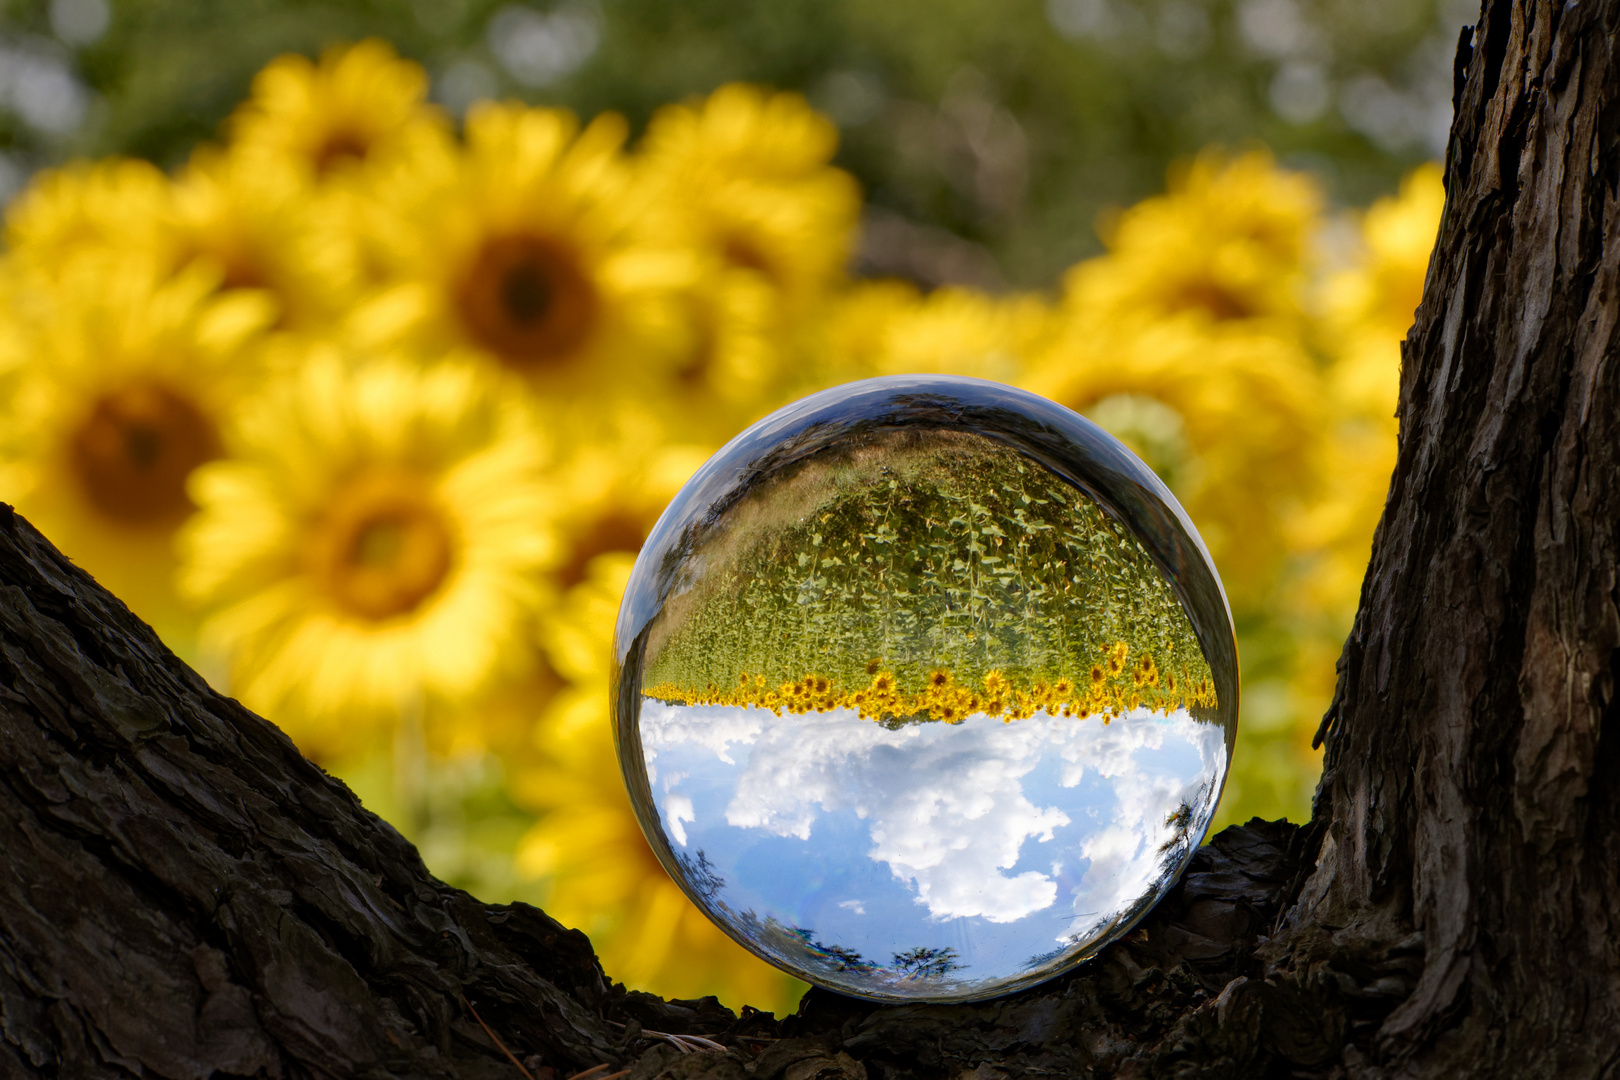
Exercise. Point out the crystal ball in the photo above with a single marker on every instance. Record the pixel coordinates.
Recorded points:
(925, 689)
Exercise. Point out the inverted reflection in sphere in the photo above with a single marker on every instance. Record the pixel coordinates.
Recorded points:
(926, 688)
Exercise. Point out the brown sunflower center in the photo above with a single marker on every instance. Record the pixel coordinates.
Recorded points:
(1220, 302)
(703, 320)
(614, 531)
(385, 547)
(134, 449)
(744, 252)
(340, 147)
(243, 272)
(528, 300)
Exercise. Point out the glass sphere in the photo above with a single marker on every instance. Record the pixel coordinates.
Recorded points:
(925, 689)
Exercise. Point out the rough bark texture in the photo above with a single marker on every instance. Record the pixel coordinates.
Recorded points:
(1473, 764)
(183, 895)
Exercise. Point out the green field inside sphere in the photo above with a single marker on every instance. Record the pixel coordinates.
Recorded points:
(924, 575)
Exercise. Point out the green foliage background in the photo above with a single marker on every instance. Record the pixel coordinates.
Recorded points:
(988, 134)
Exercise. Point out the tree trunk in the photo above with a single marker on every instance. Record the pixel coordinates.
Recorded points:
(1472, 783)
(183, 895)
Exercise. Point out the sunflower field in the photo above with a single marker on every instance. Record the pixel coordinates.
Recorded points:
(367, 411)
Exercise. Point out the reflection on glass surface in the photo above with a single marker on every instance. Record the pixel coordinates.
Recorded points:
(926, 689)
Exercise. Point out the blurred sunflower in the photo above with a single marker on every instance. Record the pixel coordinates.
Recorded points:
(519, 247)
(735, 362)
(1364, 311)
(741, 183)
(1230, 419)
(116, 204)
(334, 115)
(1369, 305)
(251, 221)
(850, 338)
(961, 332)
(1230, 241)
(1232, 415)
(123, 378)
(1368, 308)
(1186, 340)
(745, 177)
(605, 879)
(375, 540)
(614, 491)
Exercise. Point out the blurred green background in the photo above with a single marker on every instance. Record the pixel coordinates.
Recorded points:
(987, 134)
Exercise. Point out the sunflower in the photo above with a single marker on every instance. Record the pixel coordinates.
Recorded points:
(249, 223)
(740, 183)
(613, 491)
(116, 204)
(960, 332)
(737, 358)
(374, 541)
(331, 116)
(1230, 242)
(518, 248)
(252, 223)
(604, 878)
(1230, 417)
(1186, 340)
(122, 379)
(1369, 307)
(850, 338)
(744, 177)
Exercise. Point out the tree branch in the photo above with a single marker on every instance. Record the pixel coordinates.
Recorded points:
(183, 894)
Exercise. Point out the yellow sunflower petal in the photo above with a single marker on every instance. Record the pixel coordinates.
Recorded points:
(1369, 308)
(745, 176)
(1230, 242)
(961, 332)
(333, 115)
(377, 534)
(517, 248)
(123, 381)
(1231, 418)
(115, 204)
(252, 223)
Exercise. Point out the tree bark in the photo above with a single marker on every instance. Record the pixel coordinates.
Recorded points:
(1473, 758)
(183, 895)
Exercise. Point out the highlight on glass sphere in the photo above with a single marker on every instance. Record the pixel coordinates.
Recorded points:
(925, 689)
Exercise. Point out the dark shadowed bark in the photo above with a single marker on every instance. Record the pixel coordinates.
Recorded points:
(183, 895)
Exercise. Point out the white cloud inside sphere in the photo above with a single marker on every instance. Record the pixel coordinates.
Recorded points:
(951, 809)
